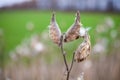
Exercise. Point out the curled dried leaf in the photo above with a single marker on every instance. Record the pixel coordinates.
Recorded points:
(54, 30)
(73, 32)
(83, 50)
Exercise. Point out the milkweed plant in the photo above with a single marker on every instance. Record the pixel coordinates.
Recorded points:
(76, 31)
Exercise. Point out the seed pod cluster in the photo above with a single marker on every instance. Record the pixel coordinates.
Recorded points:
(54, 30)
(73, 32)
(83, 50)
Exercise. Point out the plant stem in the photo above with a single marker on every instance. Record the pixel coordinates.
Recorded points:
(64, 57)
(63, 53)
(72, 62)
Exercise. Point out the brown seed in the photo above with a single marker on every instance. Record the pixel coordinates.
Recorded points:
(54, 30)
(83, 50)
(73, 32)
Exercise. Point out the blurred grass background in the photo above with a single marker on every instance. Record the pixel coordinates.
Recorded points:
(14, 25)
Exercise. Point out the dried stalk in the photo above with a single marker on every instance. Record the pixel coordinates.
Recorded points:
(64, 57)
(74, 32)
(72, 62)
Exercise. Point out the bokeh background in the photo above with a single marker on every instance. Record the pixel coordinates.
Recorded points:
(27, 53)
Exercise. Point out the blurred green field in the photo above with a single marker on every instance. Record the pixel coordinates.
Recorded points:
(14, 31)
(14, 23)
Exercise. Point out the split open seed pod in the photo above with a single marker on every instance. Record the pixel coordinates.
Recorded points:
(73, 32)
(83, 50)
(54, 30)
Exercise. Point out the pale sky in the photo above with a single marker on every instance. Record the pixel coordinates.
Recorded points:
(11, 2)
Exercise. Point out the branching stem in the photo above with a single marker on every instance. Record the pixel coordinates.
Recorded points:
(64, 57)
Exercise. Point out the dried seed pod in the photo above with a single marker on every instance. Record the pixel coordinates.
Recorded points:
(73, 32)
(83, 50)
(54, 30)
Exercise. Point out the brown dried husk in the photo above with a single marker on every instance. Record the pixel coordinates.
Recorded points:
(83, 50)
(54, 31)
(73, 32)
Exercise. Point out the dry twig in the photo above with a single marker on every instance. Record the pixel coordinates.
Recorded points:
(64, 57)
